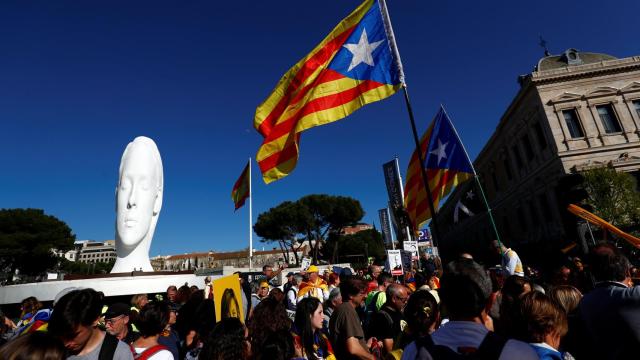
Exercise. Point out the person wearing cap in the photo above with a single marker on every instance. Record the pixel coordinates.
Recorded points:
(314, 287)
(261, 294)
(117, 323)
(289, 283)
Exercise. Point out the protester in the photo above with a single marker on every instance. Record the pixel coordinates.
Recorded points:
(33, 317)
(200, 326)
(422, 316)
(510, 259)
(347, 336)
(510, 316)
(261, 294)
(172, 293)
(334, 300)
(169, 337)
(567, 296)
(376, 298)
(227, 341)
(546, 324)
(74, 320)
(292, 293)
(315, 287)
(118, 323)
(310, 342)
(153, 319)
(34, 346)
(372, 276)
(269, 328)
(611, 311)
(386, 324)
(269, 275)
(465, 289)
(333, 281)
(278, 295)
(289, 283)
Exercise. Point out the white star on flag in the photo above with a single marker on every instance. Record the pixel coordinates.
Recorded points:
(440, 151)
(470, 195)
(362, 51)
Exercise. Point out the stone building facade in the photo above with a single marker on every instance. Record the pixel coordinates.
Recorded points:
(575, 111)
(216, 260)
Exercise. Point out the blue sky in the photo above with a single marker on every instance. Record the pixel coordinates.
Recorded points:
(79, 80)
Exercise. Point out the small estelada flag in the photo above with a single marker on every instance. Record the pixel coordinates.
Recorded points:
(241, 188)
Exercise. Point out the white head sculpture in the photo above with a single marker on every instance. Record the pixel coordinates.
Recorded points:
(138, 203)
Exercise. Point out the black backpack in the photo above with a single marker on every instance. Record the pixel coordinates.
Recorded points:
(490, 349)
(108, 348)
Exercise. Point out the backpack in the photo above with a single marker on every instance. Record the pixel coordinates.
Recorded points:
(147, 353)
(108, 348)
(371, 309)
(490, 349)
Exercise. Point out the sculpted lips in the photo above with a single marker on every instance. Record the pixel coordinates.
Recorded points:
(130, 222)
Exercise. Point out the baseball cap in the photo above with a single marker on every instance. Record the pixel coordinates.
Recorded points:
(312, 269)
(116, 310)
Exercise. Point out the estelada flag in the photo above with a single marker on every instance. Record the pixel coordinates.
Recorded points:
(356, 64)
(446, 164)
(240, 190)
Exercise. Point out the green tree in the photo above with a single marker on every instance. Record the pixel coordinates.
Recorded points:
(27, 237)
(363, 244)
(311, 218)
(613, 195)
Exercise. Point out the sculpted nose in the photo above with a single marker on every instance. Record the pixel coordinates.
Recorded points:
(131, 200)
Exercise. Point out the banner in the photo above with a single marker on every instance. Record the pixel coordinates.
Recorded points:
(396, 205)
(406, 259)
(385, 225)
(412, 247)
(227, 297)
(394, 262)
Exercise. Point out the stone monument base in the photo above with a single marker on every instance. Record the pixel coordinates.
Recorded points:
(109, 284)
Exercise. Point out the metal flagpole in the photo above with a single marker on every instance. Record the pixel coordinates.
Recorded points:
(416, 139)
(477, 179)
(250, 220)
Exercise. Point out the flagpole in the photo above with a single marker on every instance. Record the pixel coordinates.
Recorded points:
(250, 220)
(416, 139)
(477, 179)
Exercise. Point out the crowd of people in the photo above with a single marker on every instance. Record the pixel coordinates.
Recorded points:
(461, 310)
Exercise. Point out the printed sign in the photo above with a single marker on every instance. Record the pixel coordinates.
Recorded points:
(394, 262)
(227, 297)
(406, 259)
(412, 247)
(424, 235)
(306, 262)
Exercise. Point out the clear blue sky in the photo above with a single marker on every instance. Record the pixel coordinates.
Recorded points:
(80, 79)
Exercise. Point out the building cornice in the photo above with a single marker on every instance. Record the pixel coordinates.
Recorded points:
(605, 67)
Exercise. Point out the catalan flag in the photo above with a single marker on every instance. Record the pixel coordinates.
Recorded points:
(446, 164)
(356, 64)
(241, 188)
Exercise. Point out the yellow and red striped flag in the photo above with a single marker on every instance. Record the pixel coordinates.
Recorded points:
(241, 188)
(446, 165)
(356, 64)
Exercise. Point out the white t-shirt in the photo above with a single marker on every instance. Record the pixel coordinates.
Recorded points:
(160, 355)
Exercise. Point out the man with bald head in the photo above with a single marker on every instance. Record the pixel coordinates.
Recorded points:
(138, 203)
(389, 322)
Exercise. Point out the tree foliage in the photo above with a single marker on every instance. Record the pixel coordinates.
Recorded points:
(27, 237)
(613, 195)
(364, 243)
(311, 218)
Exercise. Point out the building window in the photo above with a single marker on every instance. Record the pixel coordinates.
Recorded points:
(516, 154)
(573, 124)
(636, 105)
(608, 118)
(528, 149)
(542, 141)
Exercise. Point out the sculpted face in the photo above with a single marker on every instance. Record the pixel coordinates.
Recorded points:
(138, 197)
